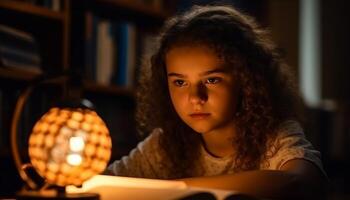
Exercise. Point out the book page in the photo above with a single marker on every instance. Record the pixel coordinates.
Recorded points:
(116, 181)
(116, 187)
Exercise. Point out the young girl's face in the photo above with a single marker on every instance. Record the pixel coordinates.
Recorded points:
(203, 92)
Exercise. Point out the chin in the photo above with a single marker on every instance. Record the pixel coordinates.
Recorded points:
(200, 129)
(204, 126)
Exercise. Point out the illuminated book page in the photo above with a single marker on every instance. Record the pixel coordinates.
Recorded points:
(116, 187)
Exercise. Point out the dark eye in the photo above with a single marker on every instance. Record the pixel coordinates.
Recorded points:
(179, 83)
(213, 80)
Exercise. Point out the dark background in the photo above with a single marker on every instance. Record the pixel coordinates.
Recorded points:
(327, 126)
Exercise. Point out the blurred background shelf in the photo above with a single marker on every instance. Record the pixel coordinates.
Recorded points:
(88, 86)
(29, 10)
(17, 75)
(93, 87)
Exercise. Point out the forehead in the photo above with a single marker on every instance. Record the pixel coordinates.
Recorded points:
(192, 58)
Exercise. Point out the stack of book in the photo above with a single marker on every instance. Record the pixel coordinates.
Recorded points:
(19, 50)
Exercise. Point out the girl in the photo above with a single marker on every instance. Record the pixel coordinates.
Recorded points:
(222, 110)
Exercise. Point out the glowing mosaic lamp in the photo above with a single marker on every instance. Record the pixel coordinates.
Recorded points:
(68, 145)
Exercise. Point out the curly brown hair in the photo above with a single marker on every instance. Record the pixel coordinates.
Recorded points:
(268, 94)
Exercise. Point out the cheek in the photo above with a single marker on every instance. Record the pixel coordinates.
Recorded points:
(230, 105)
(226, 102)
(177, 99)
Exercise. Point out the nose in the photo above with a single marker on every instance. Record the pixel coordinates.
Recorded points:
(198, 94)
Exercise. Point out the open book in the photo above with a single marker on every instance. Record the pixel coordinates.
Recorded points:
(116, 187)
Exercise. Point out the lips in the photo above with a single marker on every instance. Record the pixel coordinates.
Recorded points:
(199, 115)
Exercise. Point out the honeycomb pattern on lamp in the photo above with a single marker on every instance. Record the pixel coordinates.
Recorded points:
(68, 146)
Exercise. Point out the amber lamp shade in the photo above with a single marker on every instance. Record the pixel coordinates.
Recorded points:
(69, 145)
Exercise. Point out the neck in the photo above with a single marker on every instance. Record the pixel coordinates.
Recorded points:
(219, 141)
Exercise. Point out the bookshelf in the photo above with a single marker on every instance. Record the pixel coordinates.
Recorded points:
(60, 32)
(16, 75)
(30, 9)
(89, 86)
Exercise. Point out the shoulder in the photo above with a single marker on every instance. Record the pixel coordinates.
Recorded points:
(142, 161)
(290, 143)
(152, 140)
(289, 133)
(288, 128)
(150, 147)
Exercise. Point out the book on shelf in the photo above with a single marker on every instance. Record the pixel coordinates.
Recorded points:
(147, 47)
(111, 49)
(126, 53)
(56, 5)
(105, 52)
(117, 187)
(19, 50)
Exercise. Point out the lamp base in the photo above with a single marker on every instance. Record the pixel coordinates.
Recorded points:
(30, 195)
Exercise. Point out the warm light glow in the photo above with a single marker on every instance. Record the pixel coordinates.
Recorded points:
(73, 124)
(49, 141)
(90, 149)
(77, 116)
(76, 144)
(68, 146)
(74, 159)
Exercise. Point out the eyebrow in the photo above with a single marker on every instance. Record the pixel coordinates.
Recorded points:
(202, 74)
